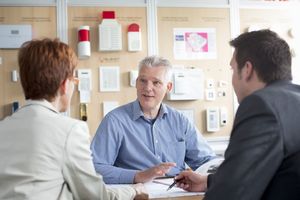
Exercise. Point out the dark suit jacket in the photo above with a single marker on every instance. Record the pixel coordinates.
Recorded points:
(262, 160)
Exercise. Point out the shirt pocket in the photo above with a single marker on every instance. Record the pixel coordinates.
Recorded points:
(176, 150)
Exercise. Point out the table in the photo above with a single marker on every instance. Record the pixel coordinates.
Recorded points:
(197, 197)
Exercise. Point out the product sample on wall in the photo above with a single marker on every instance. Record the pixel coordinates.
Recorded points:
(13, 36)
(84, 45)
(110, 33)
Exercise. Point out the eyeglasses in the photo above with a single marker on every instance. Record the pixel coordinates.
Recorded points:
(75, 80)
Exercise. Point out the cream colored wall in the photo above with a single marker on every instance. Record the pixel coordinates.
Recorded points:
(281, 21)
(43, 21)
(278, 20)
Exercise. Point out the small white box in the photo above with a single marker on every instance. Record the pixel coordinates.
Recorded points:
(212, 119)
(223, 116)
(210, 83)
(210, 94)
(133, 74)
(188, 84)
(14, 76)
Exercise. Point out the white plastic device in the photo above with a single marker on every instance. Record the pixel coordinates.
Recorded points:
(188, 84)
(210, 83)
(14, 76)
(134, 37)
(133, 74)
(210, 94)
(212, 119)
(223, 116)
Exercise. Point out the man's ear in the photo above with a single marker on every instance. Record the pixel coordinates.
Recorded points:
(136, 80)
(248, 70)
(169, 86)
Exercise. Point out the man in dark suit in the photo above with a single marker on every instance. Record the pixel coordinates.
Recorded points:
(262, 160)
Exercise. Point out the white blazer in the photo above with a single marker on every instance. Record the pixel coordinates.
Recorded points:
(44, 155)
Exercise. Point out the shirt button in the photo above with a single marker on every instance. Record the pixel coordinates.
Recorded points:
(156, 141)
(158, 157)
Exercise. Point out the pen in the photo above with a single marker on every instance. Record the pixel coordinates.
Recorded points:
(174, 183)
(164, 177)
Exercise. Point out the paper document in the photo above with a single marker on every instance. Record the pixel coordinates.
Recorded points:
(158, 189)
(210, 166)
(85, 85)
(109, 78)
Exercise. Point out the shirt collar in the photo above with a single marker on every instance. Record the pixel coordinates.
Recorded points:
(280, 82)
(43, 103)
(137, 111)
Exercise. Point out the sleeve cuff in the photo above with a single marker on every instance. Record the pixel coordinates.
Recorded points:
(127, 176)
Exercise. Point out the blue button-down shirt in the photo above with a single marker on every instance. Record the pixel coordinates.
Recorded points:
(126, 142)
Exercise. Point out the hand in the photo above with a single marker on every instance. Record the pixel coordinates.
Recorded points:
(141, 193)
(153, 172)
(192, 181)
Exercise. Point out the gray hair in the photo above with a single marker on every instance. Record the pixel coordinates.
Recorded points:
(156, 61)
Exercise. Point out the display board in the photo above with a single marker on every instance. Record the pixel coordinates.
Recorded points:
(43, 22)
(124, 59)
(215, 66)
(178, 30)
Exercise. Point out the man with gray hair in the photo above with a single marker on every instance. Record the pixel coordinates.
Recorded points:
(146, 138)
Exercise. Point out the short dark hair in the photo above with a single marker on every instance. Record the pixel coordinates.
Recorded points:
(269, 54)
(44, 65)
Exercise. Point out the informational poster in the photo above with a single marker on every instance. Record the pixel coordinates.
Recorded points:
(109, 78)
(194, 43)
(85, 85)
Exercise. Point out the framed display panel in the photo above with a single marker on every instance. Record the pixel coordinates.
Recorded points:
(216, 69)
(127, 61)
(43, 22)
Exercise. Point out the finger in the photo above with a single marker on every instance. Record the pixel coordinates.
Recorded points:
(184, 174)
(168, 164)
(179, 176)
(163, 168)
(188, 169)
(186, 186)
(183, 185)
(187, 173)
(166, 169)
(161, 173)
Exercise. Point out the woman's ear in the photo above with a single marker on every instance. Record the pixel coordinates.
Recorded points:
(63, 88)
